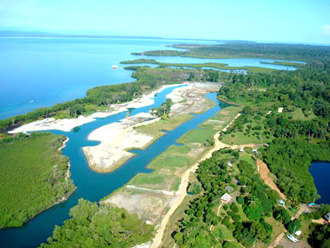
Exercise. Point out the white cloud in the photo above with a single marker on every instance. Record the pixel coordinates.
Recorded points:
(326, 29)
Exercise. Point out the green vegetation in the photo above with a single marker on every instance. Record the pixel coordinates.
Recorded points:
(94, 225)
(163, 110)
(100, 98)
(319, 235)
(219, 66)
(293, 64)
(33, 176)
(242, 222)
(284, 157)
(247, 50)
(301, 130)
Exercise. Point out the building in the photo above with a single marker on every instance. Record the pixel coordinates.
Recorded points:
(327, 217)
(229, 164)
(282, 202)
(255, 151)
(226, 198)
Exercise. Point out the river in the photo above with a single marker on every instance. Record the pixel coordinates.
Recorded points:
(94, 186)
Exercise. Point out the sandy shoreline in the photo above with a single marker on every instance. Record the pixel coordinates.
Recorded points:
(116, 139)
(120, 137)
(67, 125)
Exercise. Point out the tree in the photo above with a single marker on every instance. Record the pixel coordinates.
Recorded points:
(294, 226)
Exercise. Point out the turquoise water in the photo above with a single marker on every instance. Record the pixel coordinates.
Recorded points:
(94, 186)
(39, 72)
(320, 172)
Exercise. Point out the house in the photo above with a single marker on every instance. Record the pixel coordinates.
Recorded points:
(282, 202)
(229, 164)
(241, 149)
(226, 198)
(298, 233)
(327, 217)
(255, 151)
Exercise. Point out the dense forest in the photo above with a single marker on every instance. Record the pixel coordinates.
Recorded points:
(247, 50)
(33, 176)
(94, 225)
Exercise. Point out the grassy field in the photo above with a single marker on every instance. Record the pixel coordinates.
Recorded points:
(156, 129)
(32, 173)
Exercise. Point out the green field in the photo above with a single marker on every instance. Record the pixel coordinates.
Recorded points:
(32, 176)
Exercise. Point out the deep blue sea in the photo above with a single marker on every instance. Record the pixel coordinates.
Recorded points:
(39, 72)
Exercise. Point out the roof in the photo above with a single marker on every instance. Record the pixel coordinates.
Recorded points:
(298, 233)
(226, 197)
(327, 216)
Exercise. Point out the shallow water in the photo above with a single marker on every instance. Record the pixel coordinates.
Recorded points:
(94, 186)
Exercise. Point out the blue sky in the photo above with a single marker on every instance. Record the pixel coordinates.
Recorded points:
(301, 21)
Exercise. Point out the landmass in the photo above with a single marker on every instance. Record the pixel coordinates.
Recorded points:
(34, 176)
(261, 150)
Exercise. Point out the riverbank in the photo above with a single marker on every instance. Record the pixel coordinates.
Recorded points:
(117, 139)
(152, 195)
(41, 182)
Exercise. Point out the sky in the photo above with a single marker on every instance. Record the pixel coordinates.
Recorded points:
(291, 21)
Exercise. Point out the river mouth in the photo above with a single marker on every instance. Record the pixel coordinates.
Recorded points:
(94, 186)
(320, 172)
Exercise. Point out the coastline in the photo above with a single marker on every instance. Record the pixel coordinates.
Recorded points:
(64, 197)
(117, 139)
(66, 125)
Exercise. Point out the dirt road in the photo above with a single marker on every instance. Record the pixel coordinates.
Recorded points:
(264, 171)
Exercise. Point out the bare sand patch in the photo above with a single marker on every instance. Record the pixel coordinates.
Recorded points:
(147, 205)
(116, 139)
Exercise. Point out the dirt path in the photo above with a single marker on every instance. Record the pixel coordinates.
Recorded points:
(277, 240)
(302, 208)
(264, 171)
(319, 221)
(181, 193)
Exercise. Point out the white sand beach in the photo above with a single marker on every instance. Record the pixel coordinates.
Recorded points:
(68, 124)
